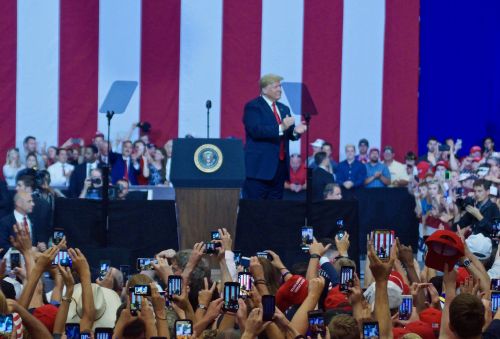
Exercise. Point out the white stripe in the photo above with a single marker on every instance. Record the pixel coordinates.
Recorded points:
(362, 72)
(37, 97)
(119, 58)
(200, 67)
(282, 39)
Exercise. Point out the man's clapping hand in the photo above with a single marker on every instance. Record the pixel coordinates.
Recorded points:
(300, 129)
(287, 122)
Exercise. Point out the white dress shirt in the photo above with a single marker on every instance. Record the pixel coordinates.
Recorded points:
(20, 221)
(270, 103)
(57, 170)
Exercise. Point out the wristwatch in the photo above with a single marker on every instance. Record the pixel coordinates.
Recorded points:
(315, 256)
(467, 262)
(203, 307)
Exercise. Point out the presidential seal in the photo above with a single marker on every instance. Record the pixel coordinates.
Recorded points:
(208, 158)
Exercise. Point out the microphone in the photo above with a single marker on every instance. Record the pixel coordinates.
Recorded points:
(208, 104)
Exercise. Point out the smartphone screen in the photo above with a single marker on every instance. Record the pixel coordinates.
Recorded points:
(264, 255)
(6, 324)
(146, 264)
(346, 278)
(382, 243)
(174, 285)
(306, 236)
(406, 307)
(85, 336)
(72, 330)
(316, 323)
(104, 266)
(245, 281)
(495, 285)
(215, 235)
(237, 258)
(495, 301)
(144, 290)
(268, 306)
(370, 330)
(183, 329)
(63, 259)
(231, 295)
(210, 248)
(135, 302)
(57, 237)
(103, 333)
(15, 259)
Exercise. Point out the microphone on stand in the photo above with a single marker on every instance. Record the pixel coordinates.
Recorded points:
(208, 105)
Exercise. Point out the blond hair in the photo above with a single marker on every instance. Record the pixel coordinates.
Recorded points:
(269, 79)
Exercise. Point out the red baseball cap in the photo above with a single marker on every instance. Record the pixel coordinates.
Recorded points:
(477, 159)
(396, 278)
(398, 332)
(422, 329)
(441, 163)
(462, 274)
(444, 247)
(47, 315)
(475, 149)
(336, 299)
(292, 292)
(431, 316)
(422, 168)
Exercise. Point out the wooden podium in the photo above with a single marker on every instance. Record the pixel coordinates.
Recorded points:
(207, 175)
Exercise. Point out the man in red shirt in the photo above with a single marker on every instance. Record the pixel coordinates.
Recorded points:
(298, 174)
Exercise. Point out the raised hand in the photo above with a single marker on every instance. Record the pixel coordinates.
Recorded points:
(318, 248)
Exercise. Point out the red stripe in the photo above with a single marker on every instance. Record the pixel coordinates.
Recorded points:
(160, 58)
(322, 67)
(8, 56)
(401, 62)
(79, 45)
(241, 49)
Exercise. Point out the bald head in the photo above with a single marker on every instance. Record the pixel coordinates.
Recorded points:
(23, 202)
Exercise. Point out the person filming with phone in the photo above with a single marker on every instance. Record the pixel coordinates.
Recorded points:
(479, 216)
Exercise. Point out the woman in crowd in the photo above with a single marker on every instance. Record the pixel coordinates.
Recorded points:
(141, 153)
(31, 165)
(157, 168)
(50, 156)
(168, 160)
(12, 166)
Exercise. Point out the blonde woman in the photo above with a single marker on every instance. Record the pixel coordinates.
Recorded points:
(12, 166)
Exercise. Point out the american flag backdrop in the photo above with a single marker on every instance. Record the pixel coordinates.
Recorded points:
(58, 58)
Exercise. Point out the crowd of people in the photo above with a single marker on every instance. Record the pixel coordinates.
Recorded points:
(54, 293)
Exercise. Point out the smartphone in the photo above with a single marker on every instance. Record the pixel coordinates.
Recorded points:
(144, 290)
(6, 324)
(406, 307)
(340, 234)
(346, 278)
(215, 235)
(245, 262)
(306, 236)
(104, 266)
(495, 301)
(370, 330)
(57, 237)
(340, 224)
(125, 269)
(62, 258)
(183, 329)
(15, 259)
(72, 330)
(447, 175)
(103, 333)
(382, 243)
(495, 285)
(264, 255)
(174, 285)
(135, 302)
(146, 264)
(211, 247)
(237, 258)
(268, 307)
(85, 336)
(231, 295)
(245, 281)
(316, 321)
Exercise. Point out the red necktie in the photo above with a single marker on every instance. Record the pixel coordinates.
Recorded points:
(125, 175)
(282, 142)
(25, 225)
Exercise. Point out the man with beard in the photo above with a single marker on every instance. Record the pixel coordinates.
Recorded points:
(377, 174)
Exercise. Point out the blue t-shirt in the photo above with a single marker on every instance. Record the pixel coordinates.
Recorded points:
(372, 169)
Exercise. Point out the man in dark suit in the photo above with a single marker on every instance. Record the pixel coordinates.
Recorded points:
(5, 199)
(82, 171)
(24, 204)
(321, 175)
(268, 128)
(124, 165)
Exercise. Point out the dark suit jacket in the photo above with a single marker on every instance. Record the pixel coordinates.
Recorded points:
(489, 210)
(6, 230)
(118, 169)
(5, 199)
(320, 179)
(263, 140)
(77, 179)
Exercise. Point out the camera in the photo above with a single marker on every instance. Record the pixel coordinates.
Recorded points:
(463, 203)
(96, 181)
